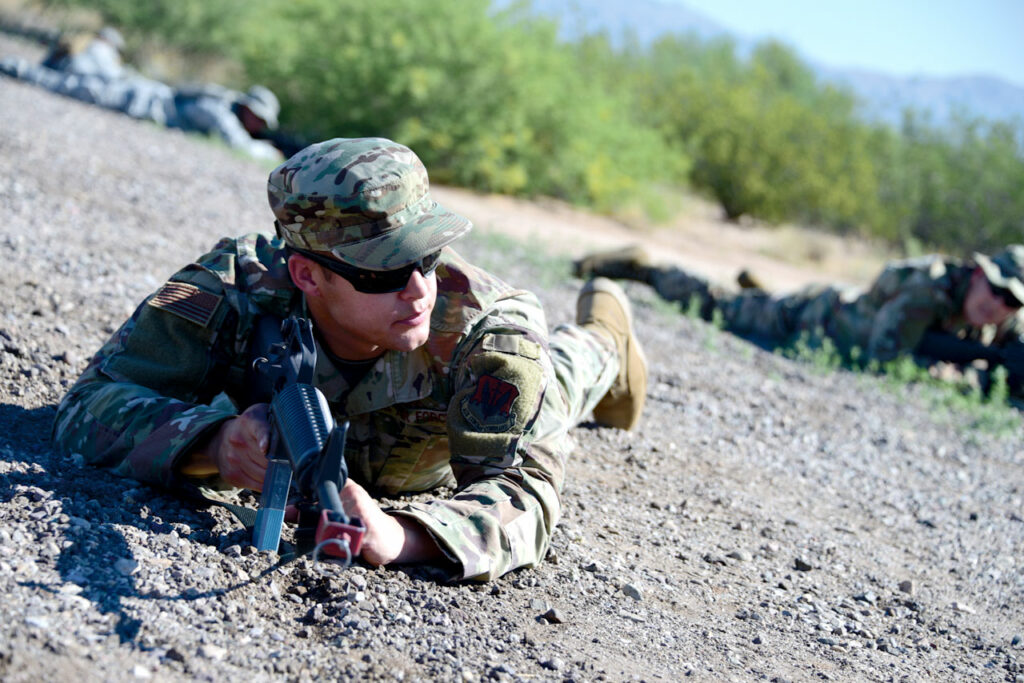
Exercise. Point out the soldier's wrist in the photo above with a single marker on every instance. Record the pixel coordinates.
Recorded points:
(201, 461)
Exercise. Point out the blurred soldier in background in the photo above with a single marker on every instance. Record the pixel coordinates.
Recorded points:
(238, 119)
(938, 308)
(92, 71)
(85, 54)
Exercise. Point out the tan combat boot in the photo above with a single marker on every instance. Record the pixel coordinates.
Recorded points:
(627, 263)
(747, 280)
(602, 307)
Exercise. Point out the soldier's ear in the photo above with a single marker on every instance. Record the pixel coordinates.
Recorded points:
(304, 274)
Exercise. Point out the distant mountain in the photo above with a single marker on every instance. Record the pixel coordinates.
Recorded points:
(883, 96)
(646, 20)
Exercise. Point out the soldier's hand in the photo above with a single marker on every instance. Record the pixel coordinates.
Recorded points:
(238, 450)
(388, 538)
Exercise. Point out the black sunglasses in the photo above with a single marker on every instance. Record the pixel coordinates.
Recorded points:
(374, 281)
(1006, 295)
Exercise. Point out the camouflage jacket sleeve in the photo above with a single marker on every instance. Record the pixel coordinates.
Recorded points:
(907, 302)
(141, 403)
(99, 58)
(214, 116)
(506, 432)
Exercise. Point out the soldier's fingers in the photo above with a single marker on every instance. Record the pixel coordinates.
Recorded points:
(255, 422)
(233, 472)
(249, 467)
(254, 466)
(358, 503)
(245, 481)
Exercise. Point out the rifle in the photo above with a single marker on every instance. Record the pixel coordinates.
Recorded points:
(307, 448)
(947, 347)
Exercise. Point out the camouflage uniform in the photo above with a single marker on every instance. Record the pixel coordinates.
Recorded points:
(909, 298)
(214, 110)
(101, 56)
(484, 406)
(210, 110)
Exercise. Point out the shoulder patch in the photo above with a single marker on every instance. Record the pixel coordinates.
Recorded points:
(489, 407)
(186, 301)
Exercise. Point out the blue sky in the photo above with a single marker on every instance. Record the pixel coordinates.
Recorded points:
(900, 37)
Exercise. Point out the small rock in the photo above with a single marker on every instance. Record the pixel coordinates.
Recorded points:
(37, 622)
(909, 587)
(801, 565)
(554, 616)
(538, 605)
(126, 566)
(632, 591)
(139, 671)
(77, 576)
(68, 358)
(741, 555)
(175, 655)
(961, 607)
(555, 664)
(638, 618)
(214, 652)
(1015, 640)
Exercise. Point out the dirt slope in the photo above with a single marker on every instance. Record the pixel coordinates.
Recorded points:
(765, 522)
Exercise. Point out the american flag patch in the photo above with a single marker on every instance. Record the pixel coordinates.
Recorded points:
(186, 301)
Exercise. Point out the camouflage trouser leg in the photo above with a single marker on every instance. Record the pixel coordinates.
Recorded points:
(780, 318)
(586, 365)
(675, 284)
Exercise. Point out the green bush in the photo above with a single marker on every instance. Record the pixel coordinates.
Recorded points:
(495, 101)
(489, 102)
(960, 186)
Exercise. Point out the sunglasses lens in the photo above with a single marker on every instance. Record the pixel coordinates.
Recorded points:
(377, 281)
(1007, 296)
(428, 264)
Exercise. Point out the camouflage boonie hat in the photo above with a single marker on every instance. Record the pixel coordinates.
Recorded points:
(366, 201)
(112, 36)
(263, 103)
(1005, 269)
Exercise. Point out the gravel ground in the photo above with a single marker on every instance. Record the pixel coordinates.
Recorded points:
(766, 521)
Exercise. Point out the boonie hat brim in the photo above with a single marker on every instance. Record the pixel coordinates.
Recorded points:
(995, 276)
(400, 247)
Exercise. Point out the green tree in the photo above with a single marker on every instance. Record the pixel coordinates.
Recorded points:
(490, 102)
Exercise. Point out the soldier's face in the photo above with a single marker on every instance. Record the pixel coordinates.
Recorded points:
(358, 326)
(981, 306)
(252, 123)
